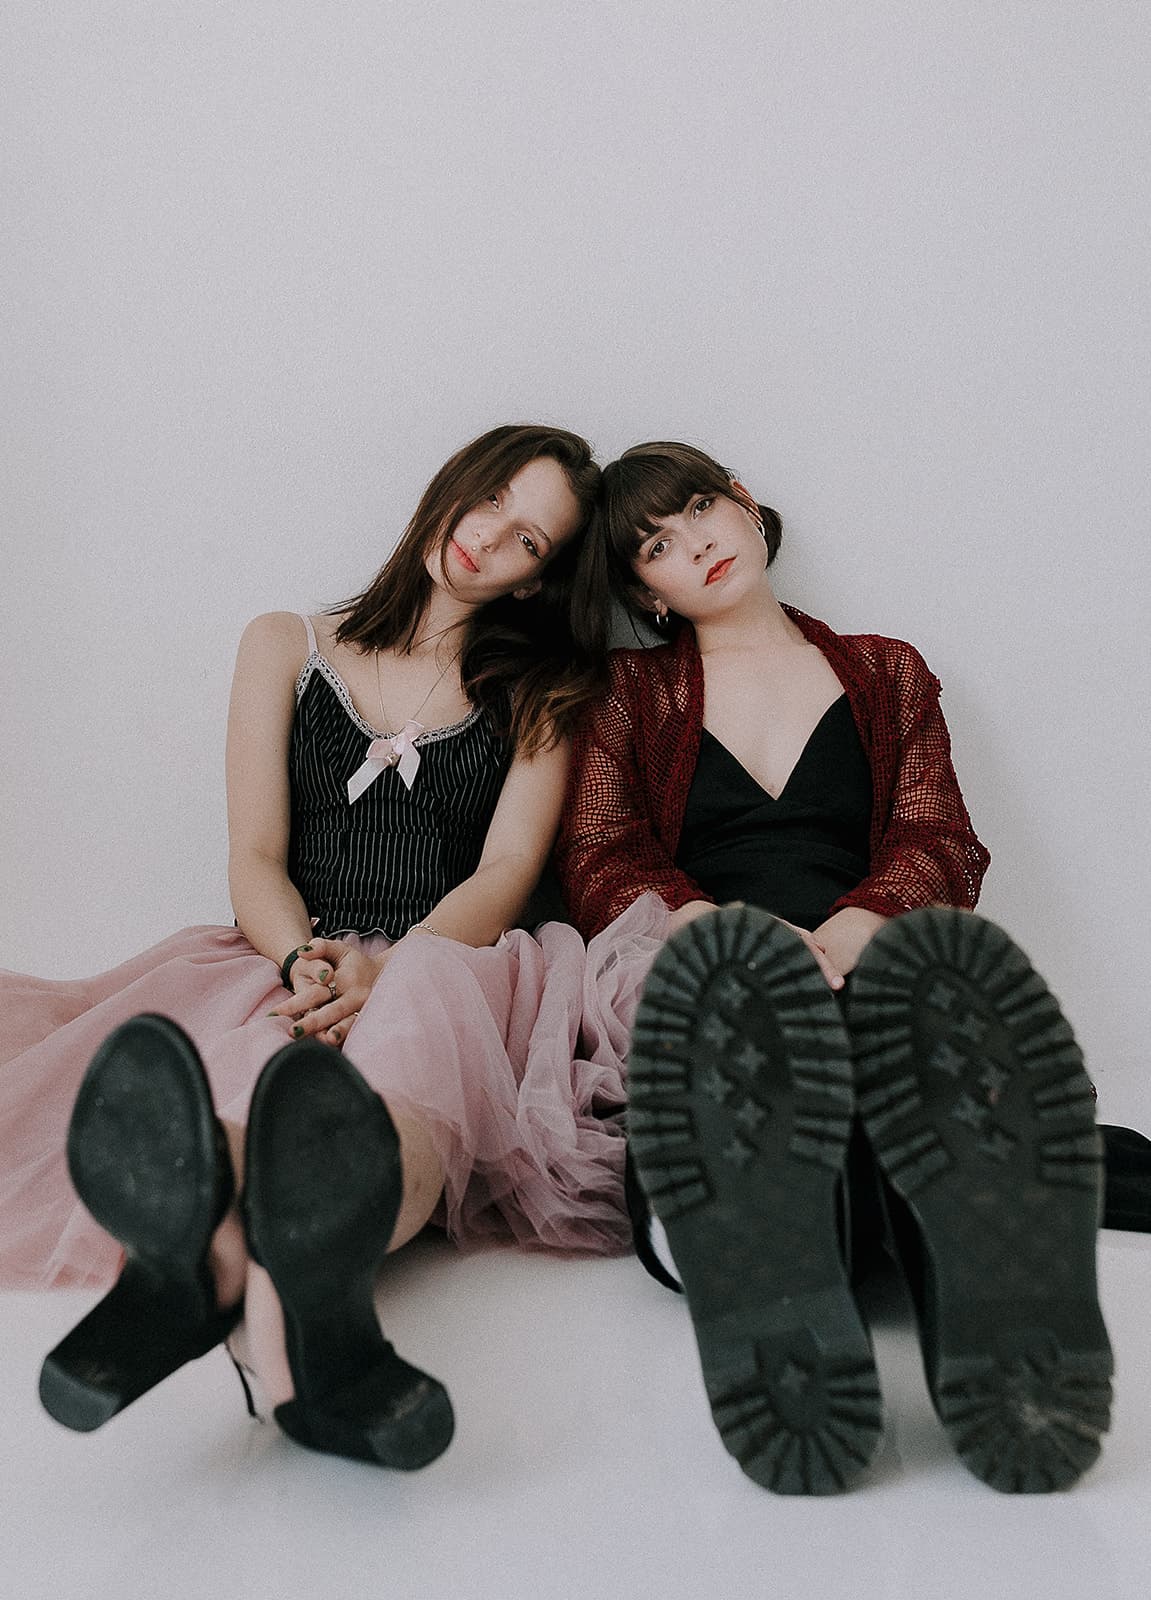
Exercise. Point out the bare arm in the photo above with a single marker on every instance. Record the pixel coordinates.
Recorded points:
(267, 904)
(515, 851)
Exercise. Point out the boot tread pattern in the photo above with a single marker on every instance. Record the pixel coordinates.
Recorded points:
(1030, 1425)
(739, 1116)
(803, 1428)
(973, 1094)
(1029, 1034)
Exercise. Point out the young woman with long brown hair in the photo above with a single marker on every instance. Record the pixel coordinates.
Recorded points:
(395, 774)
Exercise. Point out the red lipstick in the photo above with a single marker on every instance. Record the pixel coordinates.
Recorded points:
(718, 571)
(462, 557)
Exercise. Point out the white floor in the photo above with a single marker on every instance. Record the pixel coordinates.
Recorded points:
(584, 1464)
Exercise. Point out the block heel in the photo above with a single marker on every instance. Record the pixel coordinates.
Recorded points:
(149, 1160)
(322, 1191)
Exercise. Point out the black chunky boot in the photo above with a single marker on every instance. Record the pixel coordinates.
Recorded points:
(740, 1111)
(972, 1091)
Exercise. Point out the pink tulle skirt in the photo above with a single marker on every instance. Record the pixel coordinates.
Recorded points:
(512, 1055)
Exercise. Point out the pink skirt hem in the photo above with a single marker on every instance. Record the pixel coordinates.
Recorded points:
(513, 1056)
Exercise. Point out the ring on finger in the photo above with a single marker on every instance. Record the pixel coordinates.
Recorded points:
(332, 990)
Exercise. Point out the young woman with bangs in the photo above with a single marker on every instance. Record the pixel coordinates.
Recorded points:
(832, 1049)
(395, 772)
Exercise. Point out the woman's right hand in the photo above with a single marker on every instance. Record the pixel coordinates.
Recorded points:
(310, 974)
(824, 962)
(701, 908)
(688, 913)
(326, 1011)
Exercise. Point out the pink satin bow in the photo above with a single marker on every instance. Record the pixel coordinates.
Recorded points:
(398, 751)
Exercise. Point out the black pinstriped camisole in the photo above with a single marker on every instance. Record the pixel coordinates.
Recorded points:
(382, 861)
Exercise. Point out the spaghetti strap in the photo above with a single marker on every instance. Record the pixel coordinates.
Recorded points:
(307, 621)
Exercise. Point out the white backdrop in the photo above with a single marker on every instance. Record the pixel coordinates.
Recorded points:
(271, 263)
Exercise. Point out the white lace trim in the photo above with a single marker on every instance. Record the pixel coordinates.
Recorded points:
(343, 694)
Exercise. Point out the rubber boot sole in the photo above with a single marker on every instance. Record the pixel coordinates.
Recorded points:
(973, 1094)
(740, 1108)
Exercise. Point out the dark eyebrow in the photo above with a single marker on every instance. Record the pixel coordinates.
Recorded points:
(660, 532)
(532, 527)
(646, 538)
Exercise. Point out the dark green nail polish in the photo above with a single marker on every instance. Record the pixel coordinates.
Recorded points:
(297, 1032)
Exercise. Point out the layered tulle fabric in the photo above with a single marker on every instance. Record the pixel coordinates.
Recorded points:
(512, 1055)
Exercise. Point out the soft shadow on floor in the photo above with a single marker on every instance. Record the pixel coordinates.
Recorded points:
(584, 1464)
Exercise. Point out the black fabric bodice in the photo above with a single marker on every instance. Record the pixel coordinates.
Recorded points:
(793, 855)
(382, 861)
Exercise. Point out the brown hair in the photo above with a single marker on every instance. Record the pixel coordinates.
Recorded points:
(531, 664)
(647, 483)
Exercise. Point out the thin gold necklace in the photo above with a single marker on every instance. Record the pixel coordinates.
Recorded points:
(384, 724)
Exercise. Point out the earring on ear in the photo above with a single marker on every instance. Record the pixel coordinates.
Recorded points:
(662, 618)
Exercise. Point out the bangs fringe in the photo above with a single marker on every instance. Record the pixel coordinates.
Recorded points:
(650, 483)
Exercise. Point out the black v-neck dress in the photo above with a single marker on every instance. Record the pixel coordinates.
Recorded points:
(793, 855)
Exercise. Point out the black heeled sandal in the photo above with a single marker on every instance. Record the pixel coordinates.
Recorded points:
(149, 1160)
(322, 1190)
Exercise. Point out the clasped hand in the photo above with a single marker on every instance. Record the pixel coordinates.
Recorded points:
(315, 1010)
(836, 944)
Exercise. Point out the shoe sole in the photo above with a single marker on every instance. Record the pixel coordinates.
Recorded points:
(740, 1106)
(973, 1094)
(323, 1188)
(144, 1159)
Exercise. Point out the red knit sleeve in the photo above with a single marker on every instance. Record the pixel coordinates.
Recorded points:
(608, 852)
(925, 851)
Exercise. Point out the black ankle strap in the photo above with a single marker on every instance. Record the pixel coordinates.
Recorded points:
(639, 1214)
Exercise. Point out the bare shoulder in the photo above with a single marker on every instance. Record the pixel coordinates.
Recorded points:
(325, 624)
(275, 637)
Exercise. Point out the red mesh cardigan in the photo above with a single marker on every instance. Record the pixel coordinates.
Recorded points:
(635, 756)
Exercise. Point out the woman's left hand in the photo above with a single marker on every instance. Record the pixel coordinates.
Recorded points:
(844, 935)
(354, 973)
